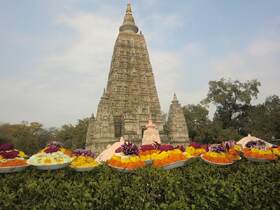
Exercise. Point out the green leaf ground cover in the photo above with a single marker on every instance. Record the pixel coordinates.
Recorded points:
(244, 185)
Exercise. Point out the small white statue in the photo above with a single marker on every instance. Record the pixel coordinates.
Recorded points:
(151, 134)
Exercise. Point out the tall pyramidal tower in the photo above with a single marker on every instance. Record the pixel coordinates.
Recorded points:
(131, 95)
(176, 123)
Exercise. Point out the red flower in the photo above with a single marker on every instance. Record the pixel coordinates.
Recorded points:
(9, 154)
(51, 149)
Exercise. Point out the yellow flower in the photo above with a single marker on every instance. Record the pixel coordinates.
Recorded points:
(62, 149)
(22, 154)
(190, 150)
(276, 151)
(145, 157)
(237, 147)
(83, 162)
(176, 151)
(133, 159)
(116, 157)
(59, 160)
(212, 154)
(188, 155)
(47, 161)
(200, 150)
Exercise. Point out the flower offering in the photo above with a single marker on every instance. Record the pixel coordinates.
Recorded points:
(131, 162)
(83, 159)
(148, 151)
(56, 147)
(259, 150)
(256, 154)
(53, 156)
(168, 157)
(11, 160)
(126, 158)
(221, 154)
(276, 150)
(218, 158)
(195, 149)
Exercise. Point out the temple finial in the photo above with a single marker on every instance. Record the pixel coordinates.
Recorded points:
(128, 8)
(175, 97)
(128, 22)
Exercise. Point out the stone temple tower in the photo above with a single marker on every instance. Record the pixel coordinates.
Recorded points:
(176, 123)
(131, 95)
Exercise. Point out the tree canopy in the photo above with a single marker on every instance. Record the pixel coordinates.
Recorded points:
(232, 99)
(30, 137)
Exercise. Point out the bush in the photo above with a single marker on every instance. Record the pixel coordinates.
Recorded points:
(244, 185)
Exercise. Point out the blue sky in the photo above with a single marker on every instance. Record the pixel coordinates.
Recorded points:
(55, 55)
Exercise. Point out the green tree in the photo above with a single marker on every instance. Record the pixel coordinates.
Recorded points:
(80, 133)
(215, 133)
(232, 100)
(264, 119)
(203, 130)
(197, 120)
(29, 137)
(73, 136)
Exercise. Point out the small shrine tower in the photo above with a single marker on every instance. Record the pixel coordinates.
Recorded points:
(176, 123)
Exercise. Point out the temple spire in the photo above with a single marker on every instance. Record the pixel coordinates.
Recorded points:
(175, 97)
(176, 123)
(128, 21)
(131, 94)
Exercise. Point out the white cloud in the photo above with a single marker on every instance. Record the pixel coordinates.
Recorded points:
(172, 72)
(67, 83)
(259, 60)
(261, 48)
(167, 67)
(91, 48)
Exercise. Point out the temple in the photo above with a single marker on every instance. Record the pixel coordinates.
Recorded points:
(130, 96)
(177, 127)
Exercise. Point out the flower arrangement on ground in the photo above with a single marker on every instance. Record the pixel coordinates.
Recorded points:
(148, 152)
(53, 156)
(259, 151)
(83, 160)
(11, 157)
(222, 154)
(168, 156)
(195, 149)
(276, 150)
(126, 158)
